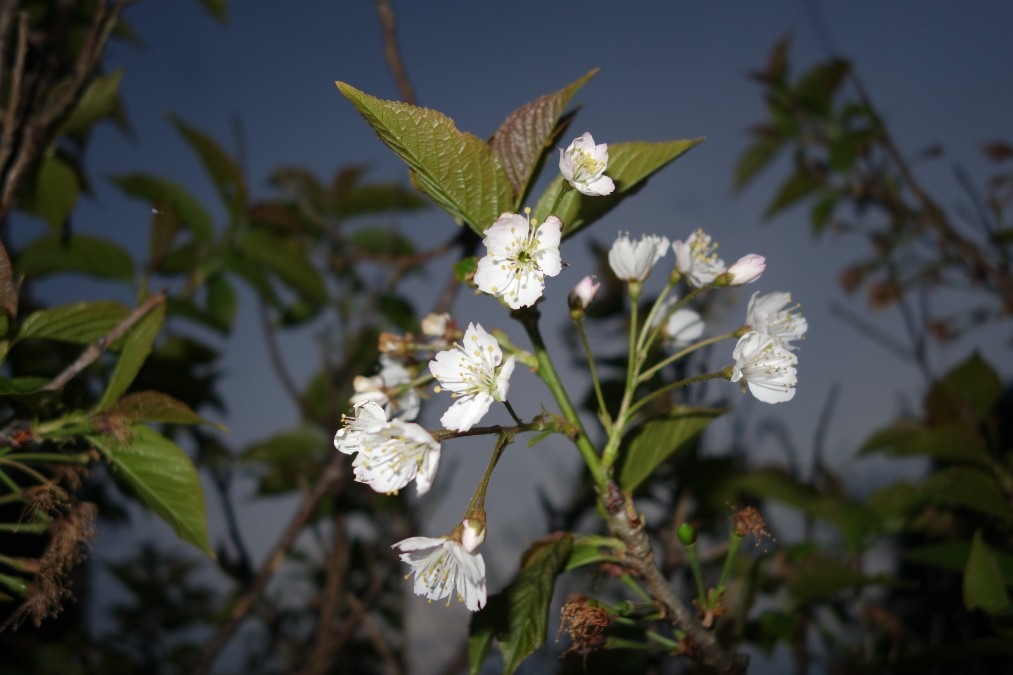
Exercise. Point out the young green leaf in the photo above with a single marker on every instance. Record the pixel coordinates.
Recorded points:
(528, 134)
(458, 170)
(163, 194)
(223, 170)
(972, 488)
(98, 102)
(79, 322)
(519, 616)
(79, 253)
(656, 440)
(54, 193)
(287, 259)
(630, 165)
(162, 477)
(136, 347)
(984, 586)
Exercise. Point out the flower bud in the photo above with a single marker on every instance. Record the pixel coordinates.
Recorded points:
(435, 325)
(583, 293)
(687, 534)
(746, 270)
(473, 535)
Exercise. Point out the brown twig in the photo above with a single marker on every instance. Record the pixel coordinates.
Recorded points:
(330, 477)
(933, 214)
(95, 349)
(322, 653)
(393, 52)
(37, 126)
(625, 523)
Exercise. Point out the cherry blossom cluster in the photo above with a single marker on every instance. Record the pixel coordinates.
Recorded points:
(391, 450)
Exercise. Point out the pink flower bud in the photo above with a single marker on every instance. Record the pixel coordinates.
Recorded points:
(746, 270)
(583, 293)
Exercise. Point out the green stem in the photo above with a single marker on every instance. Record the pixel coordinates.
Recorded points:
(672, 386)
(9, 482)
(16, 584)
(20, 564)
(611, 451)
(24, 528)
(734, 541)
(664, 641)
(655, 331)
(478, 498)
(564, 187)
(603, 412)
(529, 319)
(694, 564)
(26, 469)
(647, 374)
(80, 458)
(629, 582)
(510, 409)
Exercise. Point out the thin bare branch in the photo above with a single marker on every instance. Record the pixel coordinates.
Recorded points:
(331, 476)
(95, 349)
(393, 53)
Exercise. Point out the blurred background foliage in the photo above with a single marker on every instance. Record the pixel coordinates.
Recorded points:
(105, 405)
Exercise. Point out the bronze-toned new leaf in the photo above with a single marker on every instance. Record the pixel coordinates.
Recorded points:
(528, 134)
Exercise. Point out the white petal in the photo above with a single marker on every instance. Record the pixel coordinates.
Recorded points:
(466, 412)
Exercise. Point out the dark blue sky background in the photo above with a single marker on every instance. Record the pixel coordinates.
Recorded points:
(938, 71)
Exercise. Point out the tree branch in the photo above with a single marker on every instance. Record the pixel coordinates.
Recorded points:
(330, 477)
(625, 523)
(95, 349)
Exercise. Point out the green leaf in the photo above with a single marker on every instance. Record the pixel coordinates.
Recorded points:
(99, 101)
(79, 322)
(222, 302)
(288, 260)
(519, 616)
(164, 479)
(55, 192)
(950, 442)
(657, 439)
(154, 406)
(630, 165)
(19, 386)
(801, 184)
(984, 586)
(165, 195)
(381, 241)
(818, 578)
(216, 8)
(527, 134)
(754, 159)
(954, 556)
(464, 269)
(371, 198)
(585, 554)
(853, 520)
(971, 488)
(458, 170)
(222, 169)
(290, 459)
(815, 89)
(969, 389)
(136, 348)
(86, 255)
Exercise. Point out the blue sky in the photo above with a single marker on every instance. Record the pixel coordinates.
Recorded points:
(939, 71)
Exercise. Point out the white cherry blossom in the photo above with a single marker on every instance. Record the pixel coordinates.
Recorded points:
(443, 567)
(633, 260)
(520, 256)
(476, 375)
(382, 389)
(697, 260)
(682, 327)
(770, 314)
(583, 166)
(389, 454)
(765, 365)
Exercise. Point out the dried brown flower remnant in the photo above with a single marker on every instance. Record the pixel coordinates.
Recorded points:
(749, 521)
(884, 294)
(585, 623)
